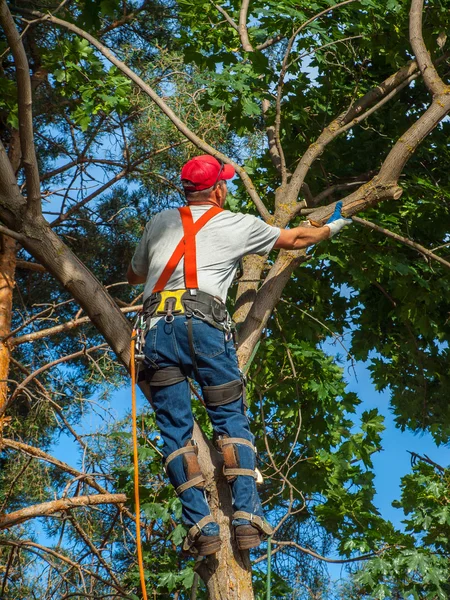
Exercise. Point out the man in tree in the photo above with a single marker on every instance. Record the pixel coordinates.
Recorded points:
(187, 259)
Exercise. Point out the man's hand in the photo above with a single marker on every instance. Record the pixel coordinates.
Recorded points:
(336, 222)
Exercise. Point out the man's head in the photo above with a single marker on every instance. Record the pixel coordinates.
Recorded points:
(204, 180)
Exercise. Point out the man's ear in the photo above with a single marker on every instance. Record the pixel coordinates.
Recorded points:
(221, 194)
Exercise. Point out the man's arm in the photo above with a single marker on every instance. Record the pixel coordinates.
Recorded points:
(302, 237)
(134, 279)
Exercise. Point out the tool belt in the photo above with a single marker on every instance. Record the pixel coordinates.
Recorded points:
(170, 303)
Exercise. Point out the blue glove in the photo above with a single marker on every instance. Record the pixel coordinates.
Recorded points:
(336, 222)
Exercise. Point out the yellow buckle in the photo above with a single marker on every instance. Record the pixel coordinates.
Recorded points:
(165, 295)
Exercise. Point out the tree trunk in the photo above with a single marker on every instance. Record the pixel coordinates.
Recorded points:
(7, 274)
(228, 574)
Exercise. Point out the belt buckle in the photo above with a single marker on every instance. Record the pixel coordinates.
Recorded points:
(170, 303)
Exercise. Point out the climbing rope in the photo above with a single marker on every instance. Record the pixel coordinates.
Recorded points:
(136, 467)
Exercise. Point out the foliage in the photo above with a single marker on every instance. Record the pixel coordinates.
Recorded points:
(93, 131)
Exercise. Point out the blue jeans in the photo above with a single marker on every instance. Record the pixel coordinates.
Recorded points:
(166, 345)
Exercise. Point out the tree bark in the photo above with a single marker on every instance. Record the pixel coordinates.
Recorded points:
(7, 274)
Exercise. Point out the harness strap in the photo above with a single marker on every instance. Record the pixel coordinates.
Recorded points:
(165, 376)
(217, 395)
(226, 441)
(195, 531)
(197, 481)
(187, 248)
(261, 524)
(183, 450)
(190, 248)
(238, 471)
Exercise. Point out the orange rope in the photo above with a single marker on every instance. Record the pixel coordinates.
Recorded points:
(136, 467)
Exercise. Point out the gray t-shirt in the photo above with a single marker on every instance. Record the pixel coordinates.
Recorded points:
(221, 243)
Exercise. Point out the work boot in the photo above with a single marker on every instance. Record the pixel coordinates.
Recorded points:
(203, 542)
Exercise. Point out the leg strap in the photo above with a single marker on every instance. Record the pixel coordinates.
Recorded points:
(217, 395)
(191, 466)
(230, 450)
(194, 533)
(165, 376)
(259, 523)
(226, 441)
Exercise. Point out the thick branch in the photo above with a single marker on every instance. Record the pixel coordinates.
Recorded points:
(354, 115)
(243, 31)
(271, 139)
(47, 509)
(359, 111)
(25, 102)
(430, 76)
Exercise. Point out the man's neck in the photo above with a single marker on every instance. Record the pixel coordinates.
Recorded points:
(204, 203)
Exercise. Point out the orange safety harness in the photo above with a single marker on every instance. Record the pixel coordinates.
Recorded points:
(187, 248)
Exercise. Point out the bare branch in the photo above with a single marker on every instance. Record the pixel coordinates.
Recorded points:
(126, 170)
(338, 561)
(50, 365)
(231, 21)
(30, 266)
(100, 190)
(36, 335)
(33, 547)
(41, 455)
(430, 76)
(96, 552)
(403, 240)
(17, 236)
(25, 101)
(47, 509)
(271, 42)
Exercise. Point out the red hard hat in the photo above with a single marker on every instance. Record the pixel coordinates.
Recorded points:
(202, 172)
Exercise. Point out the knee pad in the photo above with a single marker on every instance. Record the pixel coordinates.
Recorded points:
(216, 395)
(235, 460)
(191, 467)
